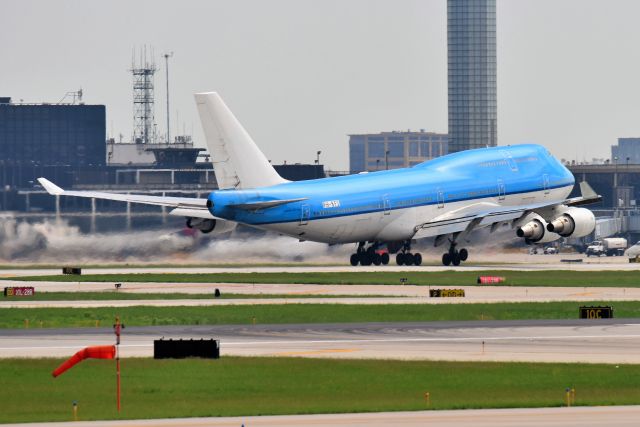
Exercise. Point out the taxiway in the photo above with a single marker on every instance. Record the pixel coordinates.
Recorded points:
(613, 416)
(611, 341)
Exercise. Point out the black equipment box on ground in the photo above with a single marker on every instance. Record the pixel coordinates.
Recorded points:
(180, 349)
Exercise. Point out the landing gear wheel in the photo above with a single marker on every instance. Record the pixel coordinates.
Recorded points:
(365, 259)
(446, 259)
(385, 258)
(377, 259)
(408, 259)
(400, 259)
(417, 259)
(355, 259)
(464, 254)
(455, 259)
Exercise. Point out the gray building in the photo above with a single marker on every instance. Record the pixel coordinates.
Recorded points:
(471, 48)
(51, 134)
(626, 152)
(391, 150)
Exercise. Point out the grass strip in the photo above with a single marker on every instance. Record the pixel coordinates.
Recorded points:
(442, 278)
(235, 386)
(18, 266)
(299, 313)
(132, 296)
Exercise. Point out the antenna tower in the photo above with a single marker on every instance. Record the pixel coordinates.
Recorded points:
(144, 126)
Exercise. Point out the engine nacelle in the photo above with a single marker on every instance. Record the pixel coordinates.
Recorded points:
(574, 222)
(207, 225)
(535, 231)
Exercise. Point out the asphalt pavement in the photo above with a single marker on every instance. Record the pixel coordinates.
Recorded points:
(611, 341)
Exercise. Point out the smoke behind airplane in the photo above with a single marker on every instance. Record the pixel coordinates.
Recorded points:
(51, 241)
(58, 241)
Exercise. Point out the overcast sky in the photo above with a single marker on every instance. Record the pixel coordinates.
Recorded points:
(301, 75)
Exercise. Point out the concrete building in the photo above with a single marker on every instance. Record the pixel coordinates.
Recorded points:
(391, 150)
(52, 134)
(626, 152)
(471, 48)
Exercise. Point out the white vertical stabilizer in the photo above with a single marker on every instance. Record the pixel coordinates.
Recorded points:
(237, 160)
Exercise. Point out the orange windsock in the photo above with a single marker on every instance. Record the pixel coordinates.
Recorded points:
(96, 352)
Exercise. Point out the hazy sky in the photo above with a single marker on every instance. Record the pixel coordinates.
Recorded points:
(301, 75)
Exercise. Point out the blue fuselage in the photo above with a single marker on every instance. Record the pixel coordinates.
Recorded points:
(464, 176)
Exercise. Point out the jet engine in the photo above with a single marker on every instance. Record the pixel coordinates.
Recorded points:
(207, 225)
(535, 231)
(574, 222)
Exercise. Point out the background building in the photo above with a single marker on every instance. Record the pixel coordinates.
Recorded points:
(626, 152)
(52, 134)
(390, 150)
(67, 144)
(471, 47)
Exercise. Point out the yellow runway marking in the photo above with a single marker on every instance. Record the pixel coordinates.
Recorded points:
(584, 294)
(329, 350)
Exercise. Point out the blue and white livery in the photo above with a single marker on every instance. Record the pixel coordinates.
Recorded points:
(523, 186)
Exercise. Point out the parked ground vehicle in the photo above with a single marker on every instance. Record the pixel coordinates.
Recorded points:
(548, 250)
(610, 246)
(633, 251)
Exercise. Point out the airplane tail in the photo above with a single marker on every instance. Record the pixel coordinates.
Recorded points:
(237, 160)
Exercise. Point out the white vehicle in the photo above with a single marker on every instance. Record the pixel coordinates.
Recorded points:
(550, 250)
(633, 251)
(611, 246)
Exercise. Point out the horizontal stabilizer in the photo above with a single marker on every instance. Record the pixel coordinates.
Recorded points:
(254, 206)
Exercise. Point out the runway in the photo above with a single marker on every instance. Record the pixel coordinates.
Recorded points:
(611, 341)
(615, 416)
(508, 261)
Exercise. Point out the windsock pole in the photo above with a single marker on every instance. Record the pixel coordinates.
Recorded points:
(117, 329)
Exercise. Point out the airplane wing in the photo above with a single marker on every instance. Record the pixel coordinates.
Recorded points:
(587, 197)
(182, 206)
(484, 214)
(469, 218)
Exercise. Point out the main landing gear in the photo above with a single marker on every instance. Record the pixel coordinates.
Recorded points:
(405, 257)
(373, 255)
(454, 256)
(370, 255)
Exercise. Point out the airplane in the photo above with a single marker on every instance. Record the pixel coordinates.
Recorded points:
(447, 198)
